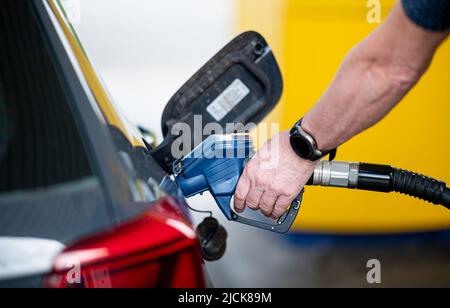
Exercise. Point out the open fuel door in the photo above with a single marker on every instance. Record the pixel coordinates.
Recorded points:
(238, 86)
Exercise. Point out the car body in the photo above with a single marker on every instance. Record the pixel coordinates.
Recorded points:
(83, 203)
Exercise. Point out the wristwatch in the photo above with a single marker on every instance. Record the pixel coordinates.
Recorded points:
(306, 146)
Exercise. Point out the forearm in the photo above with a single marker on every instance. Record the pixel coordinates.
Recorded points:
(373, 78)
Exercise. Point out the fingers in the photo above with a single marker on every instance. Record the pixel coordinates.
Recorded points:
(257, 191)
(281, 206)
(273, 178)
(254, 197)
(240, 196)
(267, 203)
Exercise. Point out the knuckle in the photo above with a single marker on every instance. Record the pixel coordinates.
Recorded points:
(260, 180)
(277, 212)
(289, 192)
(252, 205)
(243, 181)
(265, 207)
(251, 168)
(267, 211)
(251, 202)
(275, 188)
(280, 208)
(240, 195)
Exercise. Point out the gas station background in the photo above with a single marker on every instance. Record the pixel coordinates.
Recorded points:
(145, 50)
(311, 38)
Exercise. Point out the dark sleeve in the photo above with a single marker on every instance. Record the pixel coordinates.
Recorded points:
(429, 14)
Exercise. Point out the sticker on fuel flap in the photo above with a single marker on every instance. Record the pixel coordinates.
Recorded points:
(228, 99)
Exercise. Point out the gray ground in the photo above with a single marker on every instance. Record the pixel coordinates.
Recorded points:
(257, 258)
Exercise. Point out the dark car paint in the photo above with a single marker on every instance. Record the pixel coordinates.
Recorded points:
(104, 144)
(103, 141)
(98, 144)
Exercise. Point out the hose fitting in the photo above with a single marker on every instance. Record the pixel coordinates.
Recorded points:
(336, 174)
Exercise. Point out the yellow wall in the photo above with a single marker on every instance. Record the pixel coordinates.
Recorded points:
(310, 38)
(266, 17)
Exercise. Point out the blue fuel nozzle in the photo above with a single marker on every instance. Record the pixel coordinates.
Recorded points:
(216, 166)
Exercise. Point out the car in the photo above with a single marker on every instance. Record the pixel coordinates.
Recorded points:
(87, 199)
(75, 211)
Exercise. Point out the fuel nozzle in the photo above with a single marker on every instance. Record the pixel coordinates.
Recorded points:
(216, 166)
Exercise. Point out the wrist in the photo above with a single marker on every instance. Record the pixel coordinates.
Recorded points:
(292, 156)
(300, 164)
(317, 131)
(305, 146)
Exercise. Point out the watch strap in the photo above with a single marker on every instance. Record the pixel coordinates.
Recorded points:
(332, 153)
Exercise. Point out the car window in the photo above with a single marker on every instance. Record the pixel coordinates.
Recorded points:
(48, 188)
(130, 144)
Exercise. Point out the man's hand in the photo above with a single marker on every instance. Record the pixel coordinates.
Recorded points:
(273, 178)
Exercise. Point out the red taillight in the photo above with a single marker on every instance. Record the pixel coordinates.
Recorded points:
(160, 249)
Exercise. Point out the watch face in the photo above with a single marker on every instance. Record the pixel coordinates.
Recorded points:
(301, 146)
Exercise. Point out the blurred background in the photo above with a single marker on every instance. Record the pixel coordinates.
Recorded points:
(146, 49)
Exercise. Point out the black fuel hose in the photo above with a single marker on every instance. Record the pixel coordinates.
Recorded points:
(381, 178)
(446, 198)
(420, 186)
(390, 179)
